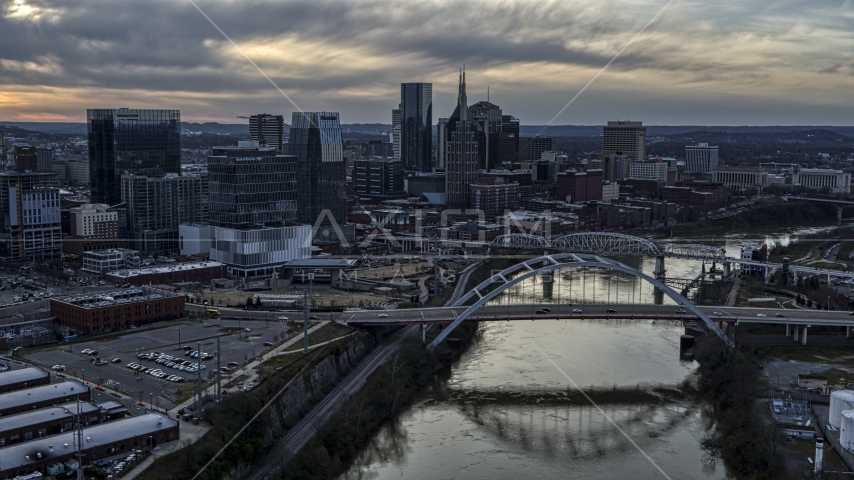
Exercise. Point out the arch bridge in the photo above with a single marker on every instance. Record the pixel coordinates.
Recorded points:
(608, 243)
(507, 278)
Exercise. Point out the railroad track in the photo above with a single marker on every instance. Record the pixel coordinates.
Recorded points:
(296, 438)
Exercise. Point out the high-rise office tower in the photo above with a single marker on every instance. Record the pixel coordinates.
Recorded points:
(463, 158)
(157, 205)
(251, 185)
(395, 131)
(129, 140)
(44, 159)
(416, 126)
(26, 159)
(29, 212)
(268, 130)
(315, 141)
(624, 138)
(510, 127)
(539, 144)
(701, 158)
(442, 143)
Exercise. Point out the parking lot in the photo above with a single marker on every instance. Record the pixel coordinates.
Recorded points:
(237, 346)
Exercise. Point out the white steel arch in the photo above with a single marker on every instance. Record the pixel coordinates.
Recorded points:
(550, 263)
(520, 240)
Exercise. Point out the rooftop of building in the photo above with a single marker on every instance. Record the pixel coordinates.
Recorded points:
(116, 297)
(42, 393)
(178, 267)
(23, 454)
(110, 251)
(43, 415)
(827, 171)
(320, 263)
(22, 375)
(721, 168)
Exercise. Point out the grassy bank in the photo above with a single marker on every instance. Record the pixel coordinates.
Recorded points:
(765, 214)
(385, 393)
(229, 416)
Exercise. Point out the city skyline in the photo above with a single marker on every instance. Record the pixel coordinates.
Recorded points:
(722, 64)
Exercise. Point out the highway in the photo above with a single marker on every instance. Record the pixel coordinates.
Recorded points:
(597, 311)
(300, 433)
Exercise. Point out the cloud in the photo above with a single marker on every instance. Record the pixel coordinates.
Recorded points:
(351, 57)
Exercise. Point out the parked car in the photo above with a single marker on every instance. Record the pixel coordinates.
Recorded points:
(116, 360)
(233, 364)
(247, 329)
(268, 344)
(58, 368)
(86, 351)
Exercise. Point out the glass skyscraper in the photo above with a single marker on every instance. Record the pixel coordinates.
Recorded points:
(315, 141)
(128, 140)
(251, 185)
(416, 130)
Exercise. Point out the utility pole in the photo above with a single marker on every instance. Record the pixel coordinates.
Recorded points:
(79, 442)
(435, 276)
(305, 322)
(218, 371)
(199, 382)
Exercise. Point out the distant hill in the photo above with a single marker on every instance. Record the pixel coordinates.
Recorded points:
(525, 130)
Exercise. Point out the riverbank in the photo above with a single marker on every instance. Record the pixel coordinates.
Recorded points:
(775, 214)
(384, 395)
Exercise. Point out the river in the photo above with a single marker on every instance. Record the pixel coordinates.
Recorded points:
(511, 406)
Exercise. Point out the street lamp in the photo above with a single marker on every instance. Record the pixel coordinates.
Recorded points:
(179, 336)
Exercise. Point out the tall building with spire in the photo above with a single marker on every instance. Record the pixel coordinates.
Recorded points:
(463, 152)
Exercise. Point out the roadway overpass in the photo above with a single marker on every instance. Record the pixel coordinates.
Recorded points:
(797, 321)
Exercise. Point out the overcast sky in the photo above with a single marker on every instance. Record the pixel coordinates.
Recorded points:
(721, 62)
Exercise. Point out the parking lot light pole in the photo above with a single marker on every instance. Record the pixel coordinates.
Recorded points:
(179, 336)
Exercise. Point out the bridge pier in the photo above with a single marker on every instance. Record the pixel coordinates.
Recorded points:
(839, 215)
(660, 274)
(847, 332)
(804, 341)
(797, 332)
(788, 331)
(548, 285)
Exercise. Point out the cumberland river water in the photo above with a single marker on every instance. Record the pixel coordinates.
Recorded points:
(509, 408)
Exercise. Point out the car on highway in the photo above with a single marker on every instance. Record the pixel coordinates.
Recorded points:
(233, 364)
(383, 315)
(542, 311)
(546, 309)
(850, 313)
(717, 314)
(268, 344)
(611, 310)
(681, 310)
(577, 310)
(247, 330)
(780, 315)
(283, 319)
(314, 317)
(761, 315)
(86, 351)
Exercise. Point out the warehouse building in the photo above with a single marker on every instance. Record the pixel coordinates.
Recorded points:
(99, 442)
(23, 378)
(42, 396)
(48, 421)
(116, 310)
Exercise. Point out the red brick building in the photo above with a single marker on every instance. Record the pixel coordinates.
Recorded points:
(492, 196)
(579, 186)
(42, 396)
(116, 310)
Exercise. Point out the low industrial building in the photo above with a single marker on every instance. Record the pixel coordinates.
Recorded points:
(48, 421)
(119, 309)
(175, 273)
(102, 261)
(42, 396)
(99, 442)
(23, 378)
